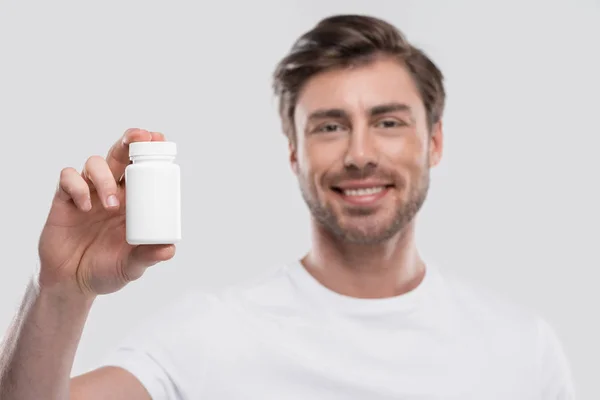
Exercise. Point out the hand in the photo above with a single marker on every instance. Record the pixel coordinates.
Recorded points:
(82, 245)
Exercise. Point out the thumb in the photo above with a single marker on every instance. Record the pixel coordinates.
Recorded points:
(144, 256)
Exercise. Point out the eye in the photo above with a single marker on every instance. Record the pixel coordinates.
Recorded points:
(390, 123)
(329, 127)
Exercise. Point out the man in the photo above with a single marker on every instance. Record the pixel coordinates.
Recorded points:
(361, 316)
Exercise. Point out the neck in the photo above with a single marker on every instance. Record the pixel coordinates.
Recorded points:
(382, 270)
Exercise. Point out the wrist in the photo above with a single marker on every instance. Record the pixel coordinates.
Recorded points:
(62, 294)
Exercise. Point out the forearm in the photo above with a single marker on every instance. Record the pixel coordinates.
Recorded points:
(37, 353)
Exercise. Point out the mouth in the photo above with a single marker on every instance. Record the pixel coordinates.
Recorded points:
(363, 195)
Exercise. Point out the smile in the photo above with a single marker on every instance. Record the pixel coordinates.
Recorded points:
(363, 192)
(363, 196)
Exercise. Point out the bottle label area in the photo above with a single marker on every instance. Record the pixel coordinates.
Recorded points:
(153, 204)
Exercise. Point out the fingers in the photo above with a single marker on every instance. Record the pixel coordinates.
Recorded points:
(144, 256)
(97, 172)
(157, 136)
(102, 175)
(71, 186)
(118, 155)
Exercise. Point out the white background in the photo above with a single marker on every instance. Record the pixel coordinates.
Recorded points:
(513, 206)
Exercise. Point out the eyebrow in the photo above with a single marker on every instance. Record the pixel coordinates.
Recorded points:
(373, 111)
(389, 108)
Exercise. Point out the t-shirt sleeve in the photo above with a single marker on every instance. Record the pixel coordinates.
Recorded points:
(166, 352)
(556, 378)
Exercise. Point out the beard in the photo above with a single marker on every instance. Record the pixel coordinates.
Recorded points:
(367, 226)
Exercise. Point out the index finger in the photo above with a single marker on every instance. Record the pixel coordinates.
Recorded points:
(118, 155)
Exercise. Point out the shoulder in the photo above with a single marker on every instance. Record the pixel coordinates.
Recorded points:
(501, 320)
(487, 305)
(513, 327)
(271, 289)
(270, 293)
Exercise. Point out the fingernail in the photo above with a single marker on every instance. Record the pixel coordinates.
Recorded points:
(87, 204)
(112, 201)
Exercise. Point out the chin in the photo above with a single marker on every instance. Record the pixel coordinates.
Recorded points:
(366, 238)
(366, 232)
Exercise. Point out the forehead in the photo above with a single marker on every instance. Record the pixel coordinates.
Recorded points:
(357, 89)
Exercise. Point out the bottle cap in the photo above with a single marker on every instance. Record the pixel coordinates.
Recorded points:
(155, 148)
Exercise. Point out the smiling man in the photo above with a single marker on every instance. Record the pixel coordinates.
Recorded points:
(361, 143)
(360, 316)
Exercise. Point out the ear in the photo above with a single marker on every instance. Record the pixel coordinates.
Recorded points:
(293, 156)
(436, 144)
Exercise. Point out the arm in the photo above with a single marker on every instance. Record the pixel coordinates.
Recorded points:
(82, 253)
(37, 354)
(107, 383)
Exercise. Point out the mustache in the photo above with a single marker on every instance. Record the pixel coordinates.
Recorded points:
(367, 172)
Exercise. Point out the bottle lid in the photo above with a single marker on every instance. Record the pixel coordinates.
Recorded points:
(155, 148)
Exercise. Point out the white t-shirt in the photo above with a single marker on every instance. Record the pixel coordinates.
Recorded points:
(287, 336)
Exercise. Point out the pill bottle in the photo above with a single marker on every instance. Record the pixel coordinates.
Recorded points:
(152, 194)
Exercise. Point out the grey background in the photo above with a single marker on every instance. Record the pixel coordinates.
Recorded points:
(513, 206)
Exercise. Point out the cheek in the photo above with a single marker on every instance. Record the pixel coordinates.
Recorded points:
(408, 148)
(320, 157)
(407, 156)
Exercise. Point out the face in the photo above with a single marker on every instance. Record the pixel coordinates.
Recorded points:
(363, 150)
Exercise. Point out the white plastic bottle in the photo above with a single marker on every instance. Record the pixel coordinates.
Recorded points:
(152, 194)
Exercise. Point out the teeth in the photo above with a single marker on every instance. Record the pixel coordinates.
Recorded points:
(363, 192)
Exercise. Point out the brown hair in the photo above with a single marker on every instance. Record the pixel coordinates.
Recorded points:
(344, 40)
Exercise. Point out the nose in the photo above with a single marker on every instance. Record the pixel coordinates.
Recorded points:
(361, 153)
